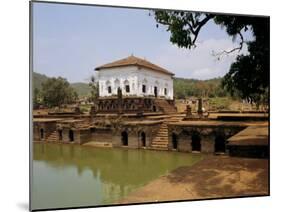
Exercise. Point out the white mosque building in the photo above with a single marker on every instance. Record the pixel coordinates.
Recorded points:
(136, 77)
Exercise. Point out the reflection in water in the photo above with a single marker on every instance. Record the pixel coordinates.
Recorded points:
(71, 175)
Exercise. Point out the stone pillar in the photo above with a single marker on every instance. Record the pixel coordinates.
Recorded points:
(133, 141)
(188, 111)
(116, 140)
(207, 144)
(76, 136)
(200, 107)
(93, 112)
(120, 101)
(184, 143)
(65, 137)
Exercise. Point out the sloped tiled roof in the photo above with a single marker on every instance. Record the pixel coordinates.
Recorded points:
(134, 61)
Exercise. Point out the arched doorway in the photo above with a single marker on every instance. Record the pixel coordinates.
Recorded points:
(71, 135)
(174, 141)
(154, 108)
(195, 143)
(155, 91)
(60, 134)
(143, 139)
(124, 138)
(220, 144)
(41, 134)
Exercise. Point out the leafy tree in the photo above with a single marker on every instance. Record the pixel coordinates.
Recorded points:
(57, 91)
(36, 98)
(184, 88)
(94, 89)
(248, 76)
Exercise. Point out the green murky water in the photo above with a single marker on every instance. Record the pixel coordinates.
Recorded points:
(73, 176)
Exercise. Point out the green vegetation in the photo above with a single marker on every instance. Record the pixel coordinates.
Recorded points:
(184, 88)
(82, 89)
(248, 76)
(94, 92)
(54, 92)
(220, 103)
(85, 108)
(37, 80)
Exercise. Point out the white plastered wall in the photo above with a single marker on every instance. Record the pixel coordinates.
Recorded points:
(135, 77)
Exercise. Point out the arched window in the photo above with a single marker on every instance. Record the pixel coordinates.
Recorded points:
(109, 89)
(127, 86)
(155, 91)
(108, 85)
(144, 85)
(144, 88)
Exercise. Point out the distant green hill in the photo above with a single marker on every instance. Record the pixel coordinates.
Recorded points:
(38, 79)
(81, 88)
(182, 87)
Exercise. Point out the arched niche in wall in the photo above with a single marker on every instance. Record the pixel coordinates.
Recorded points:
(108, 86)
(166, 89)
(127, 86)
(144, 85)
(156, 88)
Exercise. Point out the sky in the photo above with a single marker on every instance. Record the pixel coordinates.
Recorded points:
(71, 40)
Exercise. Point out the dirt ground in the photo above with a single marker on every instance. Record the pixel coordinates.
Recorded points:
(213, 177)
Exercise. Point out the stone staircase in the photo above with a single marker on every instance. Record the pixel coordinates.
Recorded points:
(165, 106)
(160, 141)
(53, 137)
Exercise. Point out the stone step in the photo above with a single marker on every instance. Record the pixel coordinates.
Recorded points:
(159, 145)
(158, 148)
(52, 137)
(162, 134)
(163, 130)
(160, 139)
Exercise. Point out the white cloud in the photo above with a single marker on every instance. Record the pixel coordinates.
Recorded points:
(199, 62)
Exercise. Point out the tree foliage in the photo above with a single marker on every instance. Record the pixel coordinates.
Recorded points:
(94, 89)
(184, 88)
(37, 99)
(248, 76)
(56, 92)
